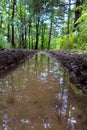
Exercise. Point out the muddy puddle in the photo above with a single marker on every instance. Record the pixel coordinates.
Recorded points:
(38, 95)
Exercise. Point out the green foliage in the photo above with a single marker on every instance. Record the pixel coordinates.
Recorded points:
(4, 43)
(82, 30)
(18, 21)
(75, 41)
(66, 42)
(29, 14)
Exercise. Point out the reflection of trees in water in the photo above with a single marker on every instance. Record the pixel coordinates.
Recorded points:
(71, 109)
(69, 106)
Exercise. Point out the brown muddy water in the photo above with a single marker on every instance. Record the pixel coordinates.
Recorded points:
(38, 95)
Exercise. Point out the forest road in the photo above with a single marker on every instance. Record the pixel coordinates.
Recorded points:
(74, 63)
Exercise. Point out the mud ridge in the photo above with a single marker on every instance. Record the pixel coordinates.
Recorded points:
(13, 56)
(75, 64)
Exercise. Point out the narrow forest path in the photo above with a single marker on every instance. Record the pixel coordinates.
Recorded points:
(75, 64)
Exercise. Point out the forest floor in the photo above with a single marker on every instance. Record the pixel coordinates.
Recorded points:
(74, 63)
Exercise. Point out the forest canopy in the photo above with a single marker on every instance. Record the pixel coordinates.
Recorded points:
(43, 24)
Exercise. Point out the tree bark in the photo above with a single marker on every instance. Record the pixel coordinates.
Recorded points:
(77, 13)
(8, 25)
(42, 36)
(37, 33)
(68, 29)
(50, 33)
(8, 33)
(13, 12)
(1, 24)
(42, 39)
(25, 40)
(29, 34)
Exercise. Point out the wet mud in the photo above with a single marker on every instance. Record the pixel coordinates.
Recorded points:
(12, 57)
(74, 63)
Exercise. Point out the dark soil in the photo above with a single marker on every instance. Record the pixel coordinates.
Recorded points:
(13, 57)
(75, 64)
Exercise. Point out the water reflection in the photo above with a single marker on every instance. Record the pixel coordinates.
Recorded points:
(38, 95)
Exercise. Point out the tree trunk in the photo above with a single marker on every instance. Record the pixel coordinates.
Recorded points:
(1, 21)
(13, 42)
(22, 37)
(37, 33)
(68, 28)
(50, 33)
(25, 40)
(8, 33)
(22, 29)
(8, 25)
(29, 34)
(32, 43)
(42, 36)
(77, 12)
(25, 32)
(13, 8)
(42, 39)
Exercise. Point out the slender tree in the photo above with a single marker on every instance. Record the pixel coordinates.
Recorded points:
(50, 32)
(13, 13)
(77, 12)
(69, 9)
(43, 28)
(8, 23)
(37, 32)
